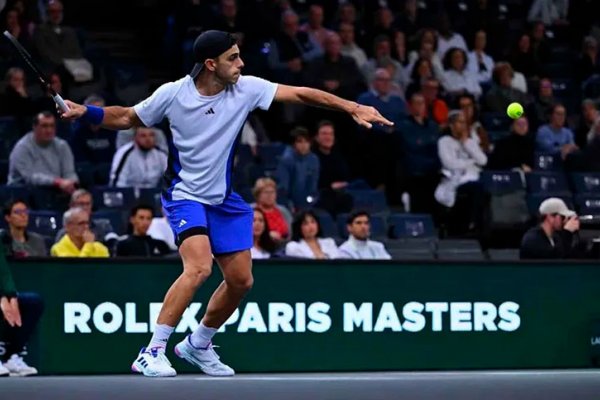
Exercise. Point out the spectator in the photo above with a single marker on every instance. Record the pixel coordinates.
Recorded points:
(358, 246)
(334, 72)
(502, 93)
(539, 43)
(139, 164)
(477, 132)
(462, 161)
(399, 51)
(314, 27)
(277, 216)
(427, 39)
(383, 26)
(139, 243)
(290, 49)
(437, 109)
(514, 151)
(349, 46)
(19, 315)
(229, 20)
(589, 123)
(480, 63)
(410, 20)
(421, 72)
(588, 63)
(418, 137)
(253, 134)
(46, 103)
(523, 58)
(298, 171)
(555, 237)
(549, 12)
(20, 31)
(161, 230)
(390, 106)
(448, 39)
(101, 228)
(383, 53)
(19, 241)
(264, 246)
(126, 136)
(16, 101)
(58, 46)
(457, 79)
(554, 137)
(78, 241)
(544, 102)
(41, 159)
(92, 143)
(307, 240)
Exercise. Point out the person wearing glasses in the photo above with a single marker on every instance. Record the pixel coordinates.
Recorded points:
(556, 236)
(17, 240)
(79, 241)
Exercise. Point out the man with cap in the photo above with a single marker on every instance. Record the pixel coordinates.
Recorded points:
(555, 237)
(206, 111)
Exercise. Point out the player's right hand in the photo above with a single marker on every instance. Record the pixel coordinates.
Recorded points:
(10, 309)
(75, 111)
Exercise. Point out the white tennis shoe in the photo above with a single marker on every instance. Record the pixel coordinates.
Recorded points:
(18, 367)
(205, 359)
(153, 363)
(3, 370)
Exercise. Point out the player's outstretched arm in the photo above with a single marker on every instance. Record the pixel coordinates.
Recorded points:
(113, 117)
(363, 115)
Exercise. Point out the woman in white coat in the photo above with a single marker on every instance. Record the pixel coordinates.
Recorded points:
(307, 241)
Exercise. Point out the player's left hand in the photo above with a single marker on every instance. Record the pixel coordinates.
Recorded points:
(365, 115)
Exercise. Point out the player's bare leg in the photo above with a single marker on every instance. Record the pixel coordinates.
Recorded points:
(197, 347)
(197, 265)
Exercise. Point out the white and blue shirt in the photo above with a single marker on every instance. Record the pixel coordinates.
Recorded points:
(204, 133)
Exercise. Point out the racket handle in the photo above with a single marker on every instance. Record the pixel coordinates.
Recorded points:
(61, 103)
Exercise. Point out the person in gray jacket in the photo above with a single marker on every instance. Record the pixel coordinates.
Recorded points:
(17, 239)
(139, 164)
(358, 246)
(41, 159)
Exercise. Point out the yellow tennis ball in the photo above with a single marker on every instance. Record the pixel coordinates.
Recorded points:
(514, 110)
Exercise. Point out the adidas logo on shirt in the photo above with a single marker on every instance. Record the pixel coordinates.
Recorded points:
(210, 111)
(182, 223)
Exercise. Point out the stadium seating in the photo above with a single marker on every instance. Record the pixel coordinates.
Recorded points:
(151, 197)
(547, 162)
(113, 198)
(498, 182)
(46, 223)
(550, 183)
(411, 226)
(372, 201)
(327, 223)
(586, 183)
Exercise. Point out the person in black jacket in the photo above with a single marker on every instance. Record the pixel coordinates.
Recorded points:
(139, 244)
(556, 237)
(515, 150)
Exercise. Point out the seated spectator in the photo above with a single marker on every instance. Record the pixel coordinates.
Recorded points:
(20, 242)
(307, 241)
(588, 62)
(138, 243)
(41, 159)
(298, 171)
(549, 12)
(462, 161)
(264, 246)
(161, 230)
(349, 46)
(390, 106)
(64, 128)
(230, 20)
(480, 63)
(358, 246)
(314, 26)
(101, 228)
(253, 134)
(139, 164)
(470, 108)
(278, 217)
(383, 52)
(421, 72)
(437, 109)
(20, 313)
(539, 43)
(78, 241)
(554, 137)
(449, 39)
(523, 58)
(555, 237)
(18, 28)
(514, 151)
(92, 143)
(544, 102)
(15, 100)
(589, 123)
(126, 136)
(334, 72)
(427, 49)
(418, 137)
(457, 79)
(502, 93)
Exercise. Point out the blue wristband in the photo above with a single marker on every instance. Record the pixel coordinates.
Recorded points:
(94, 115)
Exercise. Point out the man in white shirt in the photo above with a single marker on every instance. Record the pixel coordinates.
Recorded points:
(206, 111)
(349, 46)
(358, 246)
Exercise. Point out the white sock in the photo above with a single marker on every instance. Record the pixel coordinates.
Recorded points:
(202, 336)
(160, 336)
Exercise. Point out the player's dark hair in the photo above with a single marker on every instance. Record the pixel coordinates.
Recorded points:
(355, 214)
(297, 224)
(265, 241)
(8, 206)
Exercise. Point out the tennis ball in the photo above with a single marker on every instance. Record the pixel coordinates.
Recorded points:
(514, 110)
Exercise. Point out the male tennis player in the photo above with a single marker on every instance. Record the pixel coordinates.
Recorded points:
(206, 110)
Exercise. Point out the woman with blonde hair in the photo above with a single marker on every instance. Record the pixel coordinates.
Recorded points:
(278, 217)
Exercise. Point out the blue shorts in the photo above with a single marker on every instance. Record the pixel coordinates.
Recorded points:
(228, 225)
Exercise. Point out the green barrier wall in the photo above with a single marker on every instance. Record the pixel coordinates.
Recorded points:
(326, 316)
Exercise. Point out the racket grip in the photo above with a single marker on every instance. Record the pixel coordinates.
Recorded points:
(61, 103)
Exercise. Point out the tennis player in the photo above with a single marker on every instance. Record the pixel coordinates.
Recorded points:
(206, 111)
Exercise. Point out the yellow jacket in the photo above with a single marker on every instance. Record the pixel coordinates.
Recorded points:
(66, 248)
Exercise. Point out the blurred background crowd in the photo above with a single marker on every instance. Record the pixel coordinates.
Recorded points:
(455, 178)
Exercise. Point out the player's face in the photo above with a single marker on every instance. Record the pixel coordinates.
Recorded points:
(309, 228)
(141, 222)
(360, 228)
(258, 225)
(18, 217)
(229, 66)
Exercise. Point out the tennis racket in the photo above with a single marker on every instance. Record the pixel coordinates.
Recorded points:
(42, 80)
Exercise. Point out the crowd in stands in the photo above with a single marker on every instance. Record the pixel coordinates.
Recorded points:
(453, 166)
